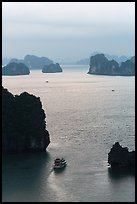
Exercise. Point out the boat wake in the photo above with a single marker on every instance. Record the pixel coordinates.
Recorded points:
(57, 185)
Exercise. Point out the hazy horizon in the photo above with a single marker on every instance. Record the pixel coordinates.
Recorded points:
(67, 31)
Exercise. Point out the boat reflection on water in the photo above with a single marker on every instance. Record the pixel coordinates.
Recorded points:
(120, 172)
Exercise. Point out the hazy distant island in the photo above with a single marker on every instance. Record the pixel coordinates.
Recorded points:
(13, 69)
(100, 65)
(120, 156)
(23, 123)
(33, 62)
(5, 60)
(118, 59)
(52, 68)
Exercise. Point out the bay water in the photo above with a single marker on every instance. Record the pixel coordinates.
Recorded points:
(84, 118)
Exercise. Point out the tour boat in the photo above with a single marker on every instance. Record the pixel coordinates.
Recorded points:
(59, 163)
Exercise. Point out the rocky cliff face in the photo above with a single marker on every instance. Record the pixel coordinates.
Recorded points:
(127, 68)
(23, 123)
(99, 64)
(120, 156)
(52, 68)
(15, 69)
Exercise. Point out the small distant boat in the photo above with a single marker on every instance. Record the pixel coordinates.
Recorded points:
(113, 89)
(59, 163)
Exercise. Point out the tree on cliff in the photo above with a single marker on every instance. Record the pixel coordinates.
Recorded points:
(23, 123)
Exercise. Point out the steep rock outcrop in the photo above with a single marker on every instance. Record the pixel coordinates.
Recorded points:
(99, 64)
(23, 123)
(14, 68)
(127, 68)
(52, 68)
(120, 156)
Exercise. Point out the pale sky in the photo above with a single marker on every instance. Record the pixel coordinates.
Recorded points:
(67, 30)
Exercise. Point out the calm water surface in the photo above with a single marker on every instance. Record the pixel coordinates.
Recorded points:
(84, 118)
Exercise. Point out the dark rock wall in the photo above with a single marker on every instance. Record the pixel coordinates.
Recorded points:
(120, 156)
(23, 123)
